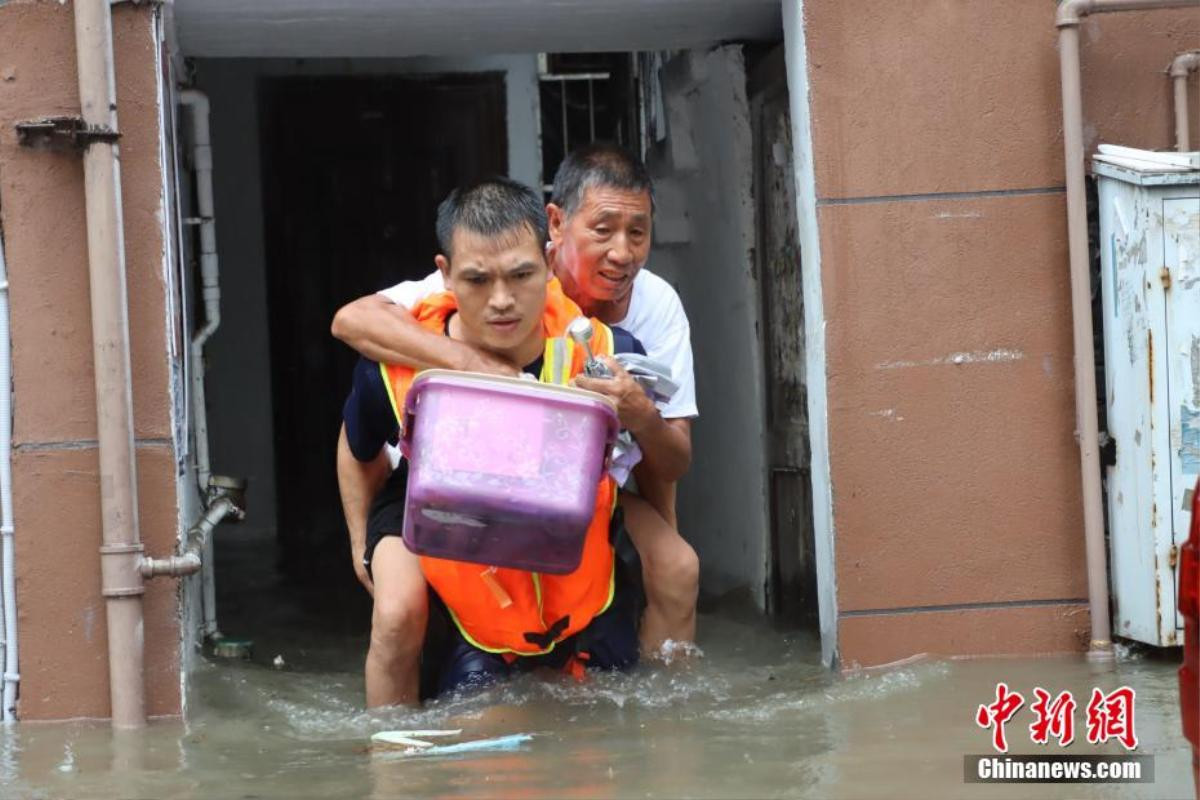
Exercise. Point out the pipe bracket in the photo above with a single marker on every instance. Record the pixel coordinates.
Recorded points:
(63, 133)
(120, 570)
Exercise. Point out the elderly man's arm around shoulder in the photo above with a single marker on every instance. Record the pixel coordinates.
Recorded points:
(388, 333)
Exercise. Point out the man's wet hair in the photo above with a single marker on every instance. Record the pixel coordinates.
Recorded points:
(491, 207)
(602, 164)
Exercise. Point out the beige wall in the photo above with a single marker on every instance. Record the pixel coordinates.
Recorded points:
(63, 655)
(937, 147)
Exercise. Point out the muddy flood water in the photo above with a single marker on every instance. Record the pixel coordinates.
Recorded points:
(755, 716)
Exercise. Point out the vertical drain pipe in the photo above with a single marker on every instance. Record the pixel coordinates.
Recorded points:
(1068, 19)
(1180, 67)
(8, 592)
(121, 552)
(197, 102)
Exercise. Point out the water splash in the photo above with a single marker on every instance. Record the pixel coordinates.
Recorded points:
(672, 650)
(860, 688)
(68, 761)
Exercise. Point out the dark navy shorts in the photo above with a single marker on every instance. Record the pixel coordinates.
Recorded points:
(610, 642)
(386, 517)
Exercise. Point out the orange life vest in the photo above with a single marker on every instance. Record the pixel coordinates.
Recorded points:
(505, 610)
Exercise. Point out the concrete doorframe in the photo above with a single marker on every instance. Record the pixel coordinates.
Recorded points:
(814, 325)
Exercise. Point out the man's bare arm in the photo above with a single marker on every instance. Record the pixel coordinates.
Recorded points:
(387, 332)
(358, 483)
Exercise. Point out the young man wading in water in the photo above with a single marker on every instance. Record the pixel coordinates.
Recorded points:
(600, 226)
(499, 296)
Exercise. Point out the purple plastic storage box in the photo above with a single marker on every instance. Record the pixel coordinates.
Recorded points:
(502, 471)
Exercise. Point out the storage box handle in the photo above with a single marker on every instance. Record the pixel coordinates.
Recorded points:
(406, 435)
(406, 430)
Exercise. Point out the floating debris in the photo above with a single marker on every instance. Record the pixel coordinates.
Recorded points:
(404, 737)
(412, 743)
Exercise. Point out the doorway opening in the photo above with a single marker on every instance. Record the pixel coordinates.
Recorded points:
(328, 173)
(349, 200)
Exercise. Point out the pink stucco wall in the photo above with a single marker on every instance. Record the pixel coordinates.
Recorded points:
(63, 656)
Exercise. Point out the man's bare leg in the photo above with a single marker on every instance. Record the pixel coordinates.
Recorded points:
(397, 625)
(658, 493)
(670, 572)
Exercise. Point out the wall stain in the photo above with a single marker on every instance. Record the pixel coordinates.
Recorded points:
(1150, 362)
(89, 623)
(1189, 440)
(1195, 358)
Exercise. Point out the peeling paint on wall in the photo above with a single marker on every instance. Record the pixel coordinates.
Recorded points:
(1150, 365)
(1189, 440)
(1195, 358)
(976, 357)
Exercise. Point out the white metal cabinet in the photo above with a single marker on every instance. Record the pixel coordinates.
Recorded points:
(1150, 282)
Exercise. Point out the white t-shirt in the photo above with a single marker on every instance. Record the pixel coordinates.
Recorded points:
(656, 318)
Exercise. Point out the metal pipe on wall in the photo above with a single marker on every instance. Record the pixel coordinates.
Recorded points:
(1072, 12)
(189, 559)
(197, 103)
(1069, 16)
(202, 161)
(1179, 69)
(8, 589)
(121, 551)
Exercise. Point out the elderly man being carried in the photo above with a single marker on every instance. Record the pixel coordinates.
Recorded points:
(600, 225)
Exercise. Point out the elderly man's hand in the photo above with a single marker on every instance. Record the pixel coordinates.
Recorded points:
(634, 407)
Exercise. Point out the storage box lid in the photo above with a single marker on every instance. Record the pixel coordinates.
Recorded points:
(519, 386)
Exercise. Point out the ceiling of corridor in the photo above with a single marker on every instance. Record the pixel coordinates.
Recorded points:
(391, 28)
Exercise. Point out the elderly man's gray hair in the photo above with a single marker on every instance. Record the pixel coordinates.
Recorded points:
(598, 164)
